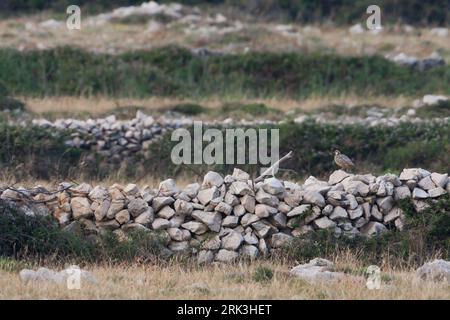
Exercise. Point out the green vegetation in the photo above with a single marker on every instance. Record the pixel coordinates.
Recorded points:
(427, 234)
(439, 110)
(33, 151)
(42, 153)
(414, 12)
(190, 109)
(40, 237)
(9, 103)
(375, 149)
(263, 274)
(173, 71)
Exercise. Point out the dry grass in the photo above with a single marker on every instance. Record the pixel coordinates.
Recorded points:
(25, 33)
(220, 282)
(102, 105)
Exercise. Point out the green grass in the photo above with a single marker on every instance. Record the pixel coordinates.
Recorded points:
(374, 149)
(263, 274)
(42, 153)
(173, 71)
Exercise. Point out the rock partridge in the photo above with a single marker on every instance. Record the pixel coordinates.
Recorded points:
(342, 160)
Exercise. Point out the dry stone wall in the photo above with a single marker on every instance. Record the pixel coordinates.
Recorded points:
(224, 218)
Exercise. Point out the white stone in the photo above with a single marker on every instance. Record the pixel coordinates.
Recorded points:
(338, 213)
(238, 174)
(230, 221)
(168, 188)
(195, 227)
(212, 179)
(241, 188)
(273, 186)
(206, 195)
(212, 219)
(299, 210)
(249, 251)
(426, 183)
(159, 202)
(437, 270)
(146, 217)
(316, 270)
(226, 255)
(420, 194)
(232, 241)
(436, 192)
(183, 207)
(81, 208)
(337, 176)
(324, 223)
(402, 192)
(385, 204)
(123, 216)
(279, 240)
(248, 202)
(160, 224)
(314, 197)
(205, 257)
(440, 180)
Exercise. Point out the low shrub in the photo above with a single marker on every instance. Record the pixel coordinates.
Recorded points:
(39, 237)
(427, 235)
(262, 274)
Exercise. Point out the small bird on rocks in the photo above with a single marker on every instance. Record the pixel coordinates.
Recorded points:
(343, 161)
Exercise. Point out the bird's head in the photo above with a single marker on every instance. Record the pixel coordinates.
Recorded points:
(336, 152)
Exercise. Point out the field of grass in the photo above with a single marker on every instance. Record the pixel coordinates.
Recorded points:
(176, 72)
(176, 281)
(272, 60)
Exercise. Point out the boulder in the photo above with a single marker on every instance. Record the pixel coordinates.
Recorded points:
(316, 270)
(212, 219)
(226, 255)
(273, 186)
(420, 194)
(299, 210)
(232, 241)
(324, 223)
(81, 208)
(195, 227)
(249, 251)
(160, 224)
(212, 179)
(437, 270)
(206, 195)
(241, 188)
(280, 239)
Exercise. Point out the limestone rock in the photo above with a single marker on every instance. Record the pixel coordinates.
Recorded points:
(232, 241)
(212, 179)
(206, 195)
(437, 270)
(195, 227)
(160, 224)
(226, 255)
(299, 210)
(324, 223)
(316, 270)
(279, 240)
(80, 208)
(314, 197)
(420, 194)
(212, 219)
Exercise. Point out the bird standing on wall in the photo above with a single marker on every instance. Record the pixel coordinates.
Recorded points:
(343, 161)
